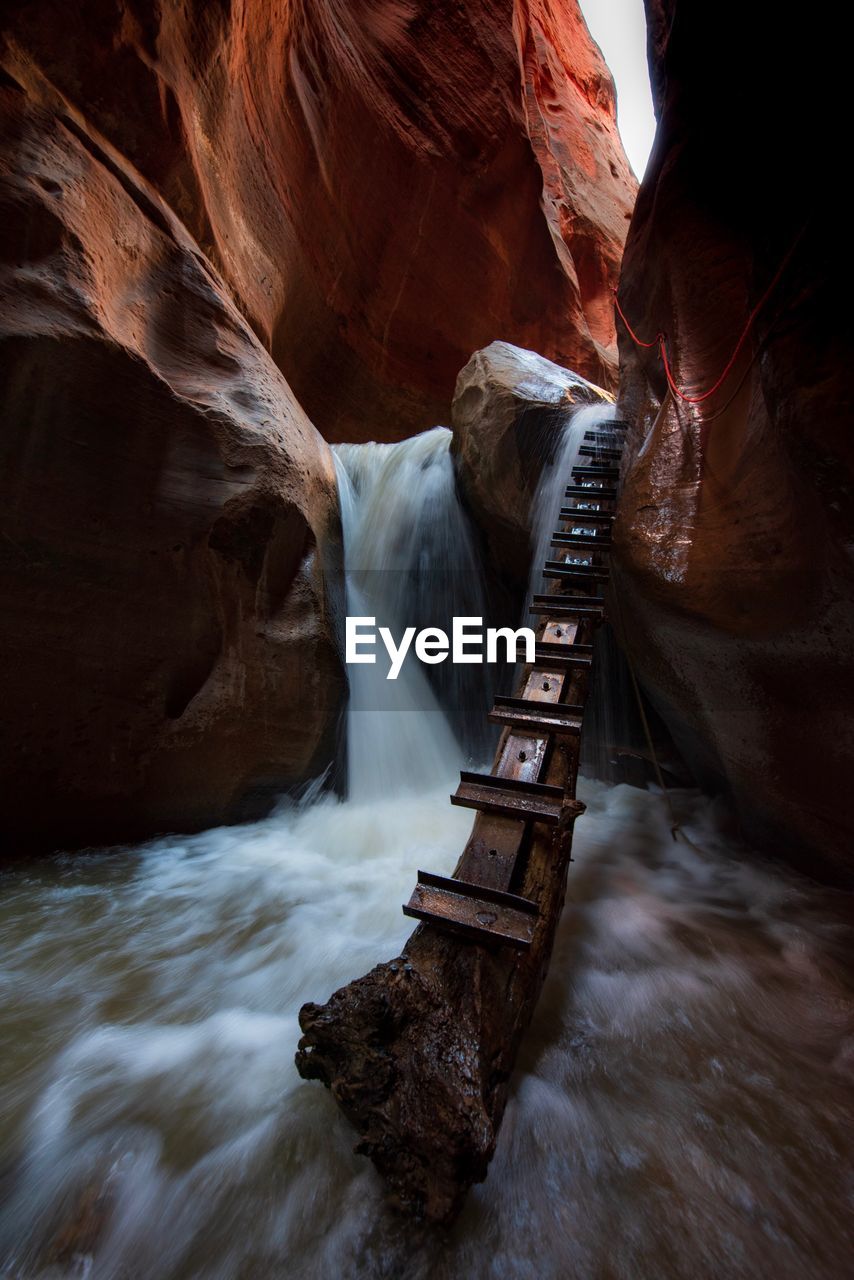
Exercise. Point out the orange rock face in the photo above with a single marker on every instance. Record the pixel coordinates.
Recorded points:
(200, 200)
(734, 574)
(166, 656)
(386, 186)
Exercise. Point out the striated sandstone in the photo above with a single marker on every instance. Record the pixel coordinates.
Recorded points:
(732, 546)
(167, 656)
(386, 185)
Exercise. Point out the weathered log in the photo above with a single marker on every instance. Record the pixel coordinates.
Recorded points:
(419, 1052)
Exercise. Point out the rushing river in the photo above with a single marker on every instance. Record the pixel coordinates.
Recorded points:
(682, 1103)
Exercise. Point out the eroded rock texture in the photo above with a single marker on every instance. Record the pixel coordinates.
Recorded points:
(732, 544)
(386, 185)
(509, 408)
(200, 197)
(166, 655)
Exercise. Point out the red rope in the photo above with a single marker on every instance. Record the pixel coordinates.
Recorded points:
(659, 337)
(661, 341)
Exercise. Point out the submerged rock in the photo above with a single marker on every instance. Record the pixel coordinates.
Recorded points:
(508, 410)
(167, 657)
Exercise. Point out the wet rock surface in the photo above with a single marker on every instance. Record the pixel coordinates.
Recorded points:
(509, 408)
(200, 202)
(732, 545)
(385, 187)
(167, 657)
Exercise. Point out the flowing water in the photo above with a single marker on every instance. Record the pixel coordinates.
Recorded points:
(410, 560)
(555, 476)
(611, 717)
(682, 1103)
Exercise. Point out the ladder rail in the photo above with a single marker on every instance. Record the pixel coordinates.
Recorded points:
(549, 708)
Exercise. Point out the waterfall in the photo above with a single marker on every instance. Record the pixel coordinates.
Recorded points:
(611, 718)
(554, 478)
(410, 560)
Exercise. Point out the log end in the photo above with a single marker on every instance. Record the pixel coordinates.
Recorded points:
(406, 1063)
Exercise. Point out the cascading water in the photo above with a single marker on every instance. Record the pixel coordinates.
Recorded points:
(410, 560)
(549, 497)
(680, 1107)
(611, 718)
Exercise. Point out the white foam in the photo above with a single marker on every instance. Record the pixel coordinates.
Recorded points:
(675, 1109)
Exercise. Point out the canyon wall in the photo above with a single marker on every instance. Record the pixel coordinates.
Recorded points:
(385, 185)
(216, 215)
(733, 571)
(167, 655)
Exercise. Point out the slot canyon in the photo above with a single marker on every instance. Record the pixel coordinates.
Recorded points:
(314, 310)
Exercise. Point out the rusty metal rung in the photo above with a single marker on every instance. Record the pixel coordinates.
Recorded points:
(541, 718)
(596, 541)
(582, 602)
(599, 451)
(582, 491)
(579, 516)
(473, 911)
(564, 572)
(562, 655)
(560, 606)
(580, 567)
(528, 801)
(601, 472)
(570, 646)
(610, 436)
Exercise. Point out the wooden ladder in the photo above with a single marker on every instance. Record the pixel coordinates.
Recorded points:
(480, 902)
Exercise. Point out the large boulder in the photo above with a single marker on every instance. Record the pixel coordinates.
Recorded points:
(732, 546)
(509, 408)
(167, 658)
(385, 185)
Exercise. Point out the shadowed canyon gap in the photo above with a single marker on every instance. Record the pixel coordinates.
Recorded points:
(733, 543)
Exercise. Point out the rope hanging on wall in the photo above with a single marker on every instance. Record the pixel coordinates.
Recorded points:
(660, 339)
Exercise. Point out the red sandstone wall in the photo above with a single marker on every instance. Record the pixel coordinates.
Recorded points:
(360, 192)
(737, 515)
(167, 513)
(387, 186)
